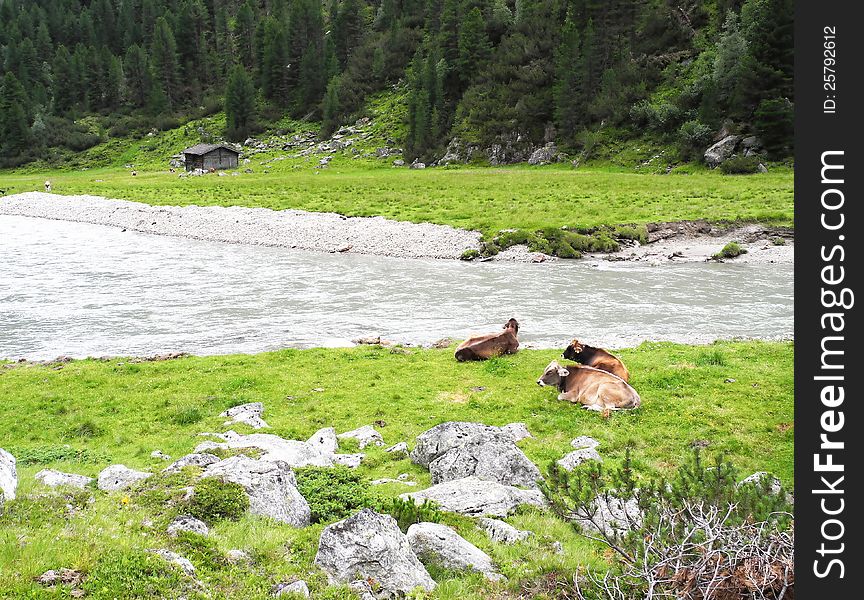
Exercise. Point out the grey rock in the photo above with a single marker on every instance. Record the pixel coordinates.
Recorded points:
(250, 414)
(721, 151)
(577, 457)
(293, 452)
(369, 545)
(583, 441)
(493, 461)
(517, 431)
(362, 589)
(612, 515)
(297, 588)
(504, 533)
(390, 480)
(349, 460)
(324, 440)
(544, 155)
(477, 497)
(438, 544)
(434, 442)
(192, 460)
(8, 476)
(271, 486)
(417, 165)
(364, 435)
(761, 168)
(237, 557)
(773, 484)
(751, 141)
(176, 559)
(160, 455)
(119, 477)
(53, 478)
(400, 448)
(189, 524)
(398, 163)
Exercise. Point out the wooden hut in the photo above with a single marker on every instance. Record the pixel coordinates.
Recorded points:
(211, 156)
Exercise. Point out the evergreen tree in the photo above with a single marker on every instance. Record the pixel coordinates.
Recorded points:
(474, 45)
(239, 104)
(163, 58)
(136, 69)
(14, 125)
(347, 29)
(330, 108)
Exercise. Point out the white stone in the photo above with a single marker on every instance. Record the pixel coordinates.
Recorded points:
(517, 431)
(438, 544)
(189, 524)
(364, 435)
(8, 476)
(293, 452)
(53, 478)
(324, 440)
(119, 477)
(181, 561)
(250, 414)
(297, 588)
(476, 497)
(505, 533)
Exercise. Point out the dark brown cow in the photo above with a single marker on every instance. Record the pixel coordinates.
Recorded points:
(483, 347)
(592, 388)
(597, 358)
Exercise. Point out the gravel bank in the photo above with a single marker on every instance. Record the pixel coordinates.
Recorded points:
(321, 232)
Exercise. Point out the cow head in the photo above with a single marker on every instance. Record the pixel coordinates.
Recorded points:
(553, 374)
(574, 350)
(512, 324)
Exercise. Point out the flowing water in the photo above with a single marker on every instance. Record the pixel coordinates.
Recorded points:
(87, 290)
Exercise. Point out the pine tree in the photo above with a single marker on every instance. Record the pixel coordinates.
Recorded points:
(330, 108)
(239, 104)
(14, 125)
(163, 58)
(569, 91)
(474, 45)
(136, 69)
(347, 29)
(274, 62)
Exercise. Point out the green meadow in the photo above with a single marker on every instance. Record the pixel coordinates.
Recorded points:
(729, 398)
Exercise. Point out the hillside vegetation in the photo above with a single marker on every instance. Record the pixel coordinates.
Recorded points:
(81, 416)
(495, 77)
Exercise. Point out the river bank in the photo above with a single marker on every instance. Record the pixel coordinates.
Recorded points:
(335, 233)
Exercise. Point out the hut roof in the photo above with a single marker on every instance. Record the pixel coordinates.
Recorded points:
(201, 149)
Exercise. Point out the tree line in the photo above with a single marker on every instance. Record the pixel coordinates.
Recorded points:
(473, 69)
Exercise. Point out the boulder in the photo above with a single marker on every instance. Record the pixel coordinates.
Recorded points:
(63, 576)
(53, 478)
(298, 589)
(400, 448)
(544, 155)
(577, 457)
(238, 557)
(349, 460)
(250, 414)
(477, 497)
(119, 477)
(189, 524)
(175, 559)
(362, 589)
(293, 452)
(364, 435)
(505, 533)
(8, 476)
(720, 151)
(493, 461)
(271, 486)
(434, 442)
(160, 455)
(192, 460)
(516, 431)
(417, 165)
(371, 546)
(438, 544)
(612, 516)
(751, 142)
(760, 168)
(398, 163)
(324, 440)
(583, 441)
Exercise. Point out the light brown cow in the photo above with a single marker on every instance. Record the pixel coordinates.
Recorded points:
(483, 347)
(597, 358)
(592, 388)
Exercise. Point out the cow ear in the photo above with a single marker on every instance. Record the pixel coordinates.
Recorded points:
(562, 372)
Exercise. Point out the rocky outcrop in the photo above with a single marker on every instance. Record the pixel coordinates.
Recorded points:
(119, 477)
(250, 414)
(271, 486)
(192, 460)
(8, 476)
(501, 532)
(477, 497)
(493, 461)
(185, 523)
(365, 436)
(438, 544)
(53, 478)
(371, 546)
(721, 151)
(436, 441)
(292, 452)
(544, 155)
(324, 440)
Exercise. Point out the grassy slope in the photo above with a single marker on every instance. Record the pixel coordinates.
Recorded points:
(119, 411)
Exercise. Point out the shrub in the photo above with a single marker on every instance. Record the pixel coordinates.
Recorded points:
(202, 551)
(778, 241)
(132, 574)
(693, 137)
(730, 250)
(43, 455)
(333, 493)
(84, 429)
(470, 254)
(216, 500)
(699, 530)
(712, 358)
(407, 512)
(740, 165)
(186, 416)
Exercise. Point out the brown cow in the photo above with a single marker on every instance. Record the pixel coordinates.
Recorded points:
(592, 388)
(483, 347)
(597, 358)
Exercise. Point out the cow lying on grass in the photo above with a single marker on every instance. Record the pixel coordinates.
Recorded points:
(592, 388)
(597, 358)
(483, 347)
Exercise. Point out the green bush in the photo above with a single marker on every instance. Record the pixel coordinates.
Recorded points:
(693, 137)
(778, 241)
(407, 512)
(216, 500)
(470, 254)
(186, 416)
(132, 575)
(711, 358)
(730, 250)
(47, 454)
(740, 165)
(201, 550)
(333, 493)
